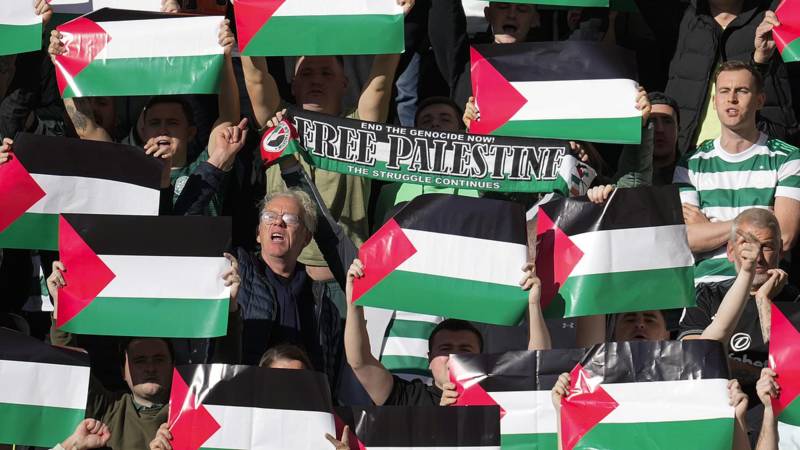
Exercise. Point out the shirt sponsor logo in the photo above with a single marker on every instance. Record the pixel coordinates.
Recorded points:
(740, 342)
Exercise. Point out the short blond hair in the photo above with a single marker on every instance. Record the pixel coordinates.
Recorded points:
(759, 218)
(303, 199)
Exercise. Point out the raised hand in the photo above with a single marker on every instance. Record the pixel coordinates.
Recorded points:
(773, 286)
(5, 150)
(163, 439)
(170, 6)
(599, 194)
(227, 143)
(764, 42)
(470, 112)
(560, 390)
(643, 105)
(407, 5)
(737, 399)
(344, 444)
(749, 248)
(233, 280)
(43, 8)
(767, 388)
(57, 46)
(90, 433)
(449, 394)
(225, 37)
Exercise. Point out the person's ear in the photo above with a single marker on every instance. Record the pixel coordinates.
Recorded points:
(730, 249)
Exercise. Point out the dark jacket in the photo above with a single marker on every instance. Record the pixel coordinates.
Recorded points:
(700, 45)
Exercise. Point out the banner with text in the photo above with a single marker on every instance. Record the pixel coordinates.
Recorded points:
(429, 157)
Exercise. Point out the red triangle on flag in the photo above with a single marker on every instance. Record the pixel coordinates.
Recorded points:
(189, 421)
(784, 359)
(83, 40)
(383, 252)
(353, 442)
(474, 395)
(788, 13)
(585, 406)
(20, 191)
(86, 274)
(556, 256)
(251, 15)
(494, 95)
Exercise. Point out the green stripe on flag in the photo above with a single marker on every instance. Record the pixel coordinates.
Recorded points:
(791, 414)
(710, 434)
(20, 38)
(541, 441)
(791, 53)
(640, 290)
(328, 35)
(624, 130)
(32, 231)
(449, 297)
(37, 426)
(411, 328)
(161, 317)
(149, 76)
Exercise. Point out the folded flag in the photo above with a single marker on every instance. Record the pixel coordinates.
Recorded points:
(118, 52)
(568, 3)
(218, 406)
(143, 276)
(624, 394)
(421, 427)
(451, 256)
(405, 344)
(20, 27)
(519, 383)
(628, 254)
(784, 357)
(787, 35)
(36, 408)
(47, 176)
(343, 27)
(81, 7)
(575, 90)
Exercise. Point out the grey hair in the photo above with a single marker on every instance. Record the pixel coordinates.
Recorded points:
(302, 199)
(759, 218)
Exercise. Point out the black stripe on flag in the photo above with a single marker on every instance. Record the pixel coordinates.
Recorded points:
(520, 370)
(628, 208)
(51, 155)
(563, 60)
(483, 218)
(423, 426)
(641, 361)
(259, 387)
(117, 15)
(153, 235)
(16, 346)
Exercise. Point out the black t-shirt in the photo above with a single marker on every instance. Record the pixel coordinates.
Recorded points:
(746, 344)
(413, 393)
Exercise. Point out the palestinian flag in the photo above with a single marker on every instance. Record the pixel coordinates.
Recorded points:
(217, 406)
(787, 35)
(628, 254)
(143, 276)
(81, 7)
(342, 27)
(669, 394)
(420, 427)
(118, 52)
(451, 256)
(784, 357)
(405, 344)
(20, 27)
(519, 383)
(47, 176)
(36, 408)
(567, 3)
(575, 90)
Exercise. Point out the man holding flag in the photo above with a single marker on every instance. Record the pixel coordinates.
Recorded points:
(450, 336)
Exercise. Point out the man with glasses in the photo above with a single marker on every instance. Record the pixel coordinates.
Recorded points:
(276, 297)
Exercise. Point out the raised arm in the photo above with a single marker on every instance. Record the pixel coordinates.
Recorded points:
(767, 389)
(538, 334)
(375, 379)
(787, 211)
(373, 104)
(732, 306)
(228, 99)
(261, 88)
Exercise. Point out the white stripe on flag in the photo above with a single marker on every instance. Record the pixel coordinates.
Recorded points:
(244, 427)
(161, 38)
(18, 12)
(466, 258)
(338, 8)
(632, 249)
(596, 99)
(136, 5)
(527, 412)
(416, 317)
(81, 195)
(789, 436)
(461, 447)
(400, 346)
(188, 277)
(669, 401)
(42, 384)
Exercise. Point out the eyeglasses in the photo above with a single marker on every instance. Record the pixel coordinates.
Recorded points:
(269, 217)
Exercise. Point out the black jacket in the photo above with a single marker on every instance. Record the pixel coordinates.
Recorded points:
(700, 45)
